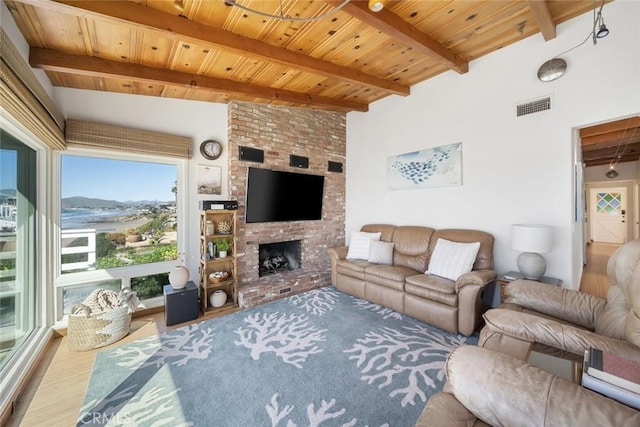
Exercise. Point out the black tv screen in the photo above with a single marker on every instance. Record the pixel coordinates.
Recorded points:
(283, 196)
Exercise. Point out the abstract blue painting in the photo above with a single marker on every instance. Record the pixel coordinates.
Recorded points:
(434, 167)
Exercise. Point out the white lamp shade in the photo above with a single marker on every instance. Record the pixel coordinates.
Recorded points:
(531, 238)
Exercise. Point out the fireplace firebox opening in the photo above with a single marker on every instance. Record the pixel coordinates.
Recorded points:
(279, 257)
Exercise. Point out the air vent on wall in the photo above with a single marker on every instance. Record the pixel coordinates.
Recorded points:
(530, 107)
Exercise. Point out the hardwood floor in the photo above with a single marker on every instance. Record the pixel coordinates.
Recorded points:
(594, 276)
(54, 394)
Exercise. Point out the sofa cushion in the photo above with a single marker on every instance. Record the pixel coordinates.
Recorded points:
(391, 276)
(352, 268)
(618, 319)
(452, 259)
(381, 252)
(359, 244)
(432, 288)
(484, 260)
(412, 246)
(386, 230)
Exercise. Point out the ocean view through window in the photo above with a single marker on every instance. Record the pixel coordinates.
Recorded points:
(116, 215)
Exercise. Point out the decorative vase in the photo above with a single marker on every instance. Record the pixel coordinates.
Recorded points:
(218, 298)
(178, 277)
(209, 230)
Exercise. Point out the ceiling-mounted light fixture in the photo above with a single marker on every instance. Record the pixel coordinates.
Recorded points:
(611, 173)
(602, 32)
(552, 69)
(598, 21)
(282, 17)
(555, 67)
(376, 5)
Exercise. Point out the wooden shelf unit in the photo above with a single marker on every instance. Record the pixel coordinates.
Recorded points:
(210, 265)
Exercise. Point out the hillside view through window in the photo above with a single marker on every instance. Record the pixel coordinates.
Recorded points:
(117, 213)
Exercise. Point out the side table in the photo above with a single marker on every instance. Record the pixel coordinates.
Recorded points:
(180, 305)
(504, 279)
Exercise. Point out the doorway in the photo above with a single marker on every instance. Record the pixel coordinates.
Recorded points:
(608, 207)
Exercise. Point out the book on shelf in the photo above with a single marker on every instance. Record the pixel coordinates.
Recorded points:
(617, 370)
(606, 388)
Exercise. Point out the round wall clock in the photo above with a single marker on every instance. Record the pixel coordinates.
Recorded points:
(210, 149)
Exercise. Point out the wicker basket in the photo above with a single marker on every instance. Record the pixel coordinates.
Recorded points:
(88, 330)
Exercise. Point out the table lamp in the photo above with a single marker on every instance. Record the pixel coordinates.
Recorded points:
(531, 240)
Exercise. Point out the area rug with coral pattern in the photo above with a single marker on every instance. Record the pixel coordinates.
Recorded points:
(322, 358)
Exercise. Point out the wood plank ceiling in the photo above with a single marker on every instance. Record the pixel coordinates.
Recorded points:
(209, 50)
(611, 143)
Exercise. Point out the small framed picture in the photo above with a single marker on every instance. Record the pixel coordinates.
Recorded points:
(209, 180)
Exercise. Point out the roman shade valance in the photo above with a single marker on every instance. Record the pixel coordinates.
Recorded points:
(24, 98)
(105, 136)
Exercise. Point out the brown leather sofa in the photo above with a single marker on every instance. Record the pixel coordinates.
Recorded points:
(487, 388)
(565, 322)
(454, 306)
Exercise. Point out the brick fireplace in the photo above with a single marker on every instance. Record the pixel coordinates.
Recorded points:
(279, 257)
(280, 132)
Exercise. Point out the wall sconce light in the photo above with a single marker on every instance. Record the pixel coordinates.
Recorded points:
(531, 240)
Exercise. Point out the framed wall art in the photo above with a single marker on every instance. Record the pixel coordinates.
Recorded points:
(433, 167)
(209, 180)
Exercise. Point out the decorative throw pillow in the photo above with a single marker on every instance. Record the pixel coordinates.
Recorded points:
(381, 252)
(452, 259)
(359, 244)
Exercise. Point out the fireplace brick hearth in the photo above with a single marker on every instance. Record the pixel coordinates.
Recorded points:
(280, 132)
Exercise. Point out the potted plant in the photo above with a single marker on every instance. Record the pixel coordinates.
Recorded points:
(223, 247)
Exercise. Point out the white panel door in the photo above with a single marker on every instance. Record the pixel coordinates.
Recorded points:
(608, 215)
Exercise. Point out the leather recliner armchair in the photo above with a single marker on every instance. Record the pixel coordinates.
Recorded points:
(564, 322)
(487, 388)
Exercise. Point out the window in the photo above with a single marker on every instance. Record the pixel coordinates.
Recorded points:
(18, 294)
(118, 224)
(609, 203)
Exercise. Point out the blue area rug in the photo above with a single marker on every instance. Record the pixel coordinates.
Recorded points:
(322, 358)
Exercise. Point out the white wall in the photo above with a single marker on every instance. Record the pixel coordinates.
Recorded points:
(514, 169)
(194, 119)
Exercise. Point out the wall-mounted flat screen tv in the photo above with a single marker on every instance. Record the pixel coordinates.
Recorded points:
(283, 196)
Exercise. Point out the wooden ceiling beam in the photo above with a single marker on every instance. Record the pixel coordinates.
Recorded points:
(619, 137)
(618, 125)
(612, 152)
(394, 26)
(542, 14)
(605, 161)
(181, 29)
(51, 60)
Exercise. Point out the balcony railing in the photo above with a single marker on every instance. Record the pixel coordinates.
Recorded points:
(89, 248)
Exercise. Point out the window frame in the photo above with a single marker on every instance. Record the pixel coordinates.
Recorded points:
(34, 342)
(122, 273)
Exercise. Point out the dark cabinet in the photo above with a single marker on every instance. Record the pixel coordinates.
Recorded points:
(180, 305)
